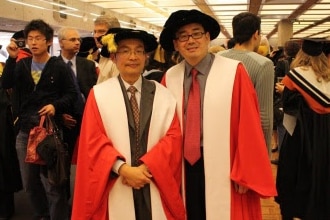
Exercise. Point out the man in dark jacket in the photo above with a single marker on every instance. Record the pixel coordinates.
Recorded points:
(43, 86)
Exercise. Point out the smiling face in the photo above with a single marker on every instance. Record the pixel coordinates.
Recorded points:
(130, 59)
(193, 50)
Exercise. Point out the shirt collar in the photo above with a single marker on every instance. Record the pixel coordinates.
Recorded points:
(137, 84)
(202, 67)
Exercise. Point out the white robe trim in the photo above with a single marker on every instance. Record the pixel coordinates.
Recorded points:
(111, 105)
(216, 125)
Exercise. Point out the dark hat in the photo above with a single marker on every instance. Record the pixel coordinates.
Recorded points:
(149, 40)
(312, 46)
(183, 17)
(87, 47)
(18, 35)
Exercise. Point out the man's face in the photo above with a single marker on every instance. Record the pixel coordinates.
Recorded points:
(37, 43)
(193, 50)
(99, 30)
(71, 42)
(130, 58)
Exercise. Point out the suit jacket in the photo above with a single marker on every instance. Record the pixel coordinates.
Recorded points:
(86, 74)
(146, 105)
(86, 78)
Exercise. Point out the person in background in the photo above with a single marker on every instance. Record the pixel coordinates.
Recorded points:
(24, 51)
(129, 159)
(43, 85)
(225, 173)
(83, 73)
(101, 26)
(156, 65)
(90, 51)
(247, 35)
(282, 67)
(303, 174)
(10, 177)
(85, 76)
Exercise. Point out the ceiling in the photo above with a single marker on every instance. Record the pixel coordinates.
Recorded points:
(310, 18)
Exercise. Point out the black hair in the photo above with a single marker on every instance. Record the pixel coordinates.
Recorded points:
(245, 25)
(41, 26)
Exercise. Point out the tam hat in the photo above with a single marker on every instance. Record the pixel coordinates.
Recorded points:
(18, 35)
(87, 47)
(115, 35)
(183, 17)
(312, 47)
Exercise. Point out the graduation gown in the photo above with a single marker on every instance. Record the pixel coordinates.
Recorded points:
(303, 175)
(234, 145)
(104, 137)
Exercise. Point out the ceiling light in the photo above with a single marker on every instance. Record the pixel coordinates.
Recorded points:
(26, 4)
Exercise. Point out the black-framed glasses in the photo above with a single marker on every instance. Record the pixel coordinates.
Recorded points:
(73, 39)
(127, 52)
(185, 37)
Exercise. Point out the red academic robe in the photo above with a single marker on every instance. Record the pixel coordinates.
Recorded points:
(97, 154)
(235, 151)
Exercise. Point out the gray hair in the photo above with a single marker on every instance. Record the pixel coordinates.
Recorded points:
(62, 32)
(110, 21)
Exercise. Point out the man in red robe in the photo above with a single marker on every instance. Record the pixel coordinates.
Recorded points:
(232, 171)
(129, 165)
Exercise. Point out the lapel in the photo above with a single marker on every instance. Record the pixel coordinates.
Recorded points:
(146, 103)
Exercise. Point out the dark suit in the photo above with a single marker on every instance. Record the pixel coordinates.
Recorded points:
(142, 200)
(86, 79)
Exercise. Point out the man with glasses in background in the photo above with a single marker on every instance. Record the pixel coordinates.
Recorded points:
(101, 25)
(226, 165)
(84, 75)
(43, 85)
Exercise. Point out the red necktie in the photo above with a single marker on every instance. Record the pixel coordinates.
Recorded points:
(193, 123)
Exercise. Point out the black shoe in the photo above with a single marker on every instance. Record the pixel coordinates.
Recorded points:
(275, 162)
(275, 149)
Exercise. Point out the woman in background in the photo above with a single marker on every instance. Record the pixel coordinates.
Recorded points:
(303, 176)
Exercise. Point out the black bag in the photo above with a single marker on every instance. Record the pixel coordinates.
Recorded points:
(55, 153)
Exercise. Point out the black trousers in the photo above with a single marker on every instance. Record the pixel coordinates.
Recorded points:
(195, 190)
(7, 205)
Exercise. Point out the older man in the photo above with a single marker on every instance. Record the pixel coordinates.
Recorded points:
(129, 159)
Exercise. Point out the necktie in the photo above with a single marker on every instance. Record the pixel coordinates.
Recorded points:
(79, 103)
(193, 124)
(136, 116)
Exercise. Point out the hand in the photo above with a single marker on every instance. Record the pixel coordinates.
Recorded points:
(69, 121)
(279, 87)
(12, 49)
(135, 177)
(240, 189)
(47, 110)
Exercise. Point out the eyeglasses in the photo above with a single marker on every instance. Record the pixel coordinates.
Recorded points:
(99, 32)
(128, 53)
(185, 37)
(73, 39)
(36, 39)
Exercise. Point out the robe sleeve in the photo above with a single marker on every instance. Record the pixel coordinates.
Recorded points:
(96, 156)
(249, 158)
(164, 161)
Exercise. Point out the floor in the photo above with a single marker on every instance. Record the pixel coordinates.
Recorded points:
(270, 209)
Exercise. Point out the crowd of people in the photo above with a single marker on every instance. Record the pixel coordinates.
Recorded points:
(168, 128)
